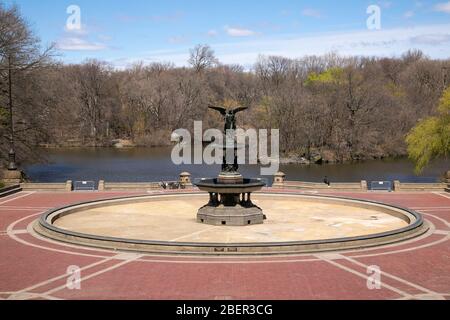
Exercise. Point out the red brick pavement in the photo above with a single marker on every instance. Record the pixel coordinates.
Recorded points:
(36, 268)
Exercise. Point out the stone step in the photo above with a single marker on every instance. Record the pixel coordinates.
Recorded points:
(9, 190)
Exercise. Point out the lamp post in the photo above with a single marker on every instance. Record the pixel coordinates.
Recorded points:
(444, 76)
(12, 153)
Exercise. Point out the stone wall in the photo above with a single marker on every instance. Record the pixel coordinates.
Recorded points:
(30, 186)
(344, 186)
(127, 186)
(280, 182)
(400, 186)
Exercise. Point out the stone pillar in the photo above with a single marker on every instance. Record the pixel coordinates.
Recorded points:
(69, 185)
(12, 177)
(278, 181)
(364, 185)
(447, 180)
(101, 185)
(185, 180)
(397, 185)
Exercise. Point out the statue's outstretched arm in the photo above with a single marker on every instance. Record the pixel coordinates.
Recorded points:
(220, 109)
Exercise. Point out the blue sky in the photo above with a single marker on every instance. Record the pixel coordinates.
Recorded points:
(124, 32)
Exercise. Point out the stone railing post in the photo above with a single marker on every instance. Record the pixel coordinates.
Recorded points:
(397, 185)
(69, 186)
(101, 185)
(279, 179)
(11, 177)
(447, 180)
(185, 180)
(364, 185)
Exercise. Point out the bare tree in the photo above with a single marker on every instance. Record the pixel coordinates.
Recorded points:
(20, 57)
(202, 57)
(98, 99)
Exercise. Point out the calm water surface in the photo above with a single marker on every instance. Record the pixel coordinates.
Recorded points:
(154, 164)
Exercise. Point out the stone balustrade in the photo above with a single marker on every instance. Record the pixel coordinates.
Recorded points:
(405, 187)
(128, 186)
(280, 182)
(31, 186)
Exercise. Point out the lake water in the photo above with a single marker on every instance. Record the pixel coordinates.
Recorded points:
(154, 164)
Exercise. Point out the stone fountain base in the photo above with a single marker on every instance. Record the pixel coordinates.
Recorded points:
(243, 213)
(230, 178)
(230, 201)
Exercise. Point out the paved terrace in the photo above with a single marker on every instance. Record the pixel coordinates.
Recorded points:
(32, 267)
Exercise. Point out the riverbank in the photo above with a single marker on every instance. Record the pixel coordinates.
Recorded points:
(72, 143)
(327, 156)
(322, 157)
(148, 141)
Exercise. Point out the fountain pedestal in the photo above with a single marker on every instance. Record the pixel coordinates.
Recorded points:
(230, 203)
(230, 178)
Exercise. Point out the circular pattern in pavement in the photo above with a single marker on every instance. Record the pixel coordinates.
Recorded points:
(166, 224)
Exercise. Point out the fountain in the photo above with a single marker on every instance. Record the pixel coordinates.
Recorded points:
(163, 223)
(230, 194)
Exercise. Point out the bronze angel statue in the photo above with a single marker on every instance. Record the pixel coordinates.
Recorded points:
(230, 127)
(229, 116)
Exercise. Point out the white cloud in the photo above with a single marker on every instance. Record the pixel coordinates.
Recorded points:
(239, 32)
(408, 14)
(168, 18)
(79, 44)
(433, 40)
(443, 7)
(387, 42)
(78, 40)
(385, 4)
(104, 37)
(308, 12)
(212, 33)
(82, 31)
(159, 56)
(174, 17)
(177, 39)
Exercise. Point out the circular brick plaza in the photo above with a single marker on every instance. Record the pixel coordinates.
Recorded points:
(35, 267)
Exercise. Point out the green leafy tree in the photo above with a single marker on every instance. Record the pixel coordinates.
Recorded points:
(430, 138)
(331, 76)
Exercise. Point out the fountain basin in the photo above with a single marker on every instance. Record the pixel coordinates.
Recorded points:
(166, 224)
(213, 185)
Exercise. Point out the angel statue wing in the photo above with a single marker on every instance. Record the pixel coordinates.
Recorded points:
(239, 109)
(222, 111)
